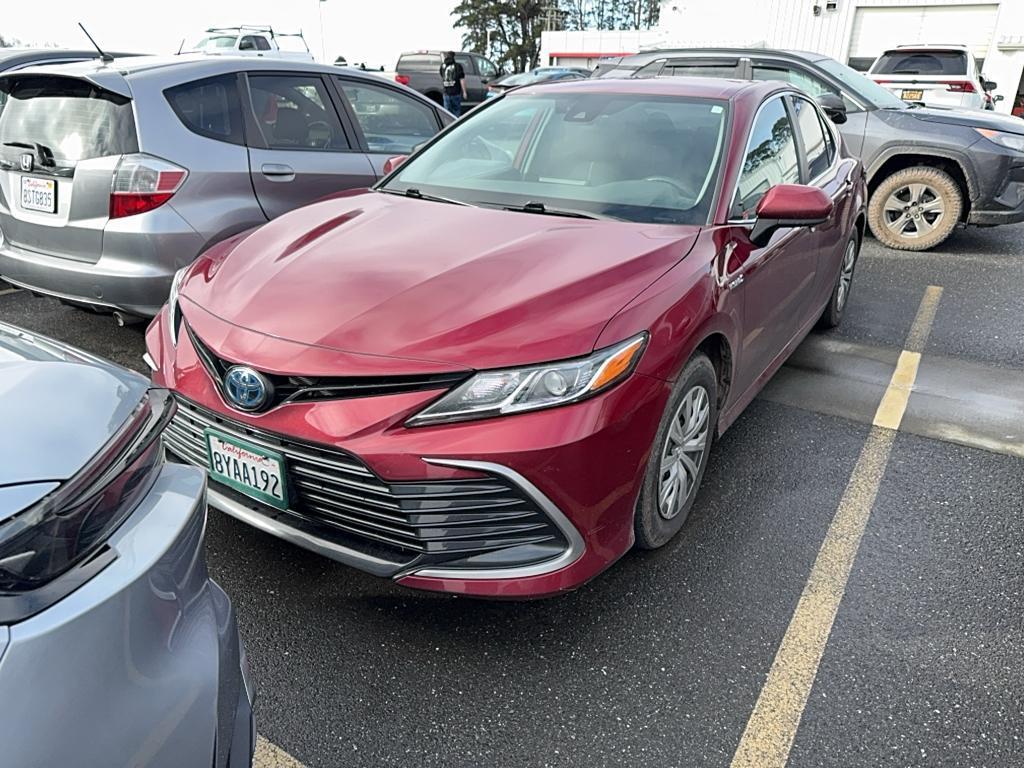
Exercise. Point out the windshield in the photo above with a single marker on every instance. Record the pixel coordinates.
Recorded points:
(862, 86)
(905, 62)
(215, 42)
(632, 157)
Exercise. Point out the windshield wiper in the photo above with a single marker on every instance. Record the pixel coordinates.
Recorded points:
(412, 192)
(540, 208)
(43, 152)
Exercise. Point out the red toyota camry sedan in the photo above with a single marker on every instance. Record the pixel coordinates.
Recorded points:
(506, 364)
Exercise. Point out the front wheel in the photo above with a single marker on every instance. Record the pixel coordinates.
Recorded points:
(679, 456)
(915, 209)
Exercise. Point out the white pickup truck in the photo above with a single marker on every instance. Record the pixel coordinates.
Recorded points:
(252, 41)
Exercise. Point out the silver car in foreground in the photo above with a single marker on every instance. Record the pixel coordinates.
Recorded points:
(114, 176)
(116, 648)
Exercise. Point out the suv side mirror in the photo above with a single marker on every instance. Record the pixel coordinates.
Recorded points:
(833, 106)
(998, 98)
(789, 205)
(393, 162)
(989, 85)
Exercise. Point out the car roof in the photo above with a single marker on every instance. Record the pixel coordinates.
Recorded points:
(13, 57)
(693, 87)
(193, 65)
(661, 53)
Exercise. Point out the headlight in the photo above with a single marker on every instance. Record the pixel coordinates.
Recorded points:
(1013, 141)
(173, 311)
(515, 390)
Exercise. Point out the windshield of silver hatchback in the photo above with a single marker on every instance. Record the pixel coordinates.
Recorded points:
(595, 155)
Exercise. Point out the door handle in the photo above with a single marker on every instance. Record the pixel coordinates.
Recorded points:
(278, 171)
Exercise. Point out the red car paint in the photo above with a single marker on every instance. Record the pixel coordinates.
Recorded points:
(369, 284)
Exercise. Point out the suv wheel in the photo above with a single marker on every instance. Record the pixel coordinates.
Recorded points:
(915, 209)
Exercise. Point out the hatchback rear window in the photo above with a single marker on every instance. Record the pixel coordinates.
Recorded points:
(921, 63)
(420, 62)
(67, 118)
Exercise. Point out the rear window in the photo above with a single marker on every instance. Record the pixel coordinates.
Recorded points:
(419, 62)
(71, 119)
(209, 107)
(921, 63)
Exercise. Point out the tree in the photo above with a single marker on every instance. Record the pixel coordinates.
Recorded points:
(514, 26)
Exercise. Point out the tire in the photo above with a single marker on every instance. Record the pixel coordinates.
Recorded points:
(915, 209)
(435, 97)
(833, 314)
(656, 520)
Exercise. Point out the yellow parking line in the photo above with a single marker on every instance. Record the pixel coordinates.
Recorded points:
(269, 755)
(772, 726)
(5, 291)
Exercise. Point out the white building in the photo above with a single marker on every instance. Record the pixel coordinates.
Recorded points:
(852, 31)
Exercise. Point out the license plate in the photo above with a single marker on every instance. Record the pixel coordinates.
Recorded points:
(913, 95)
(247, 468)
(38, 194)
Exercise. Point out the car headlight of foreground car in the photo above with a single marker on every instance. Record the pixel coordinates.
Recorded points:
(173, 310)
(58, 543)
(1009, 140)
(516, 390)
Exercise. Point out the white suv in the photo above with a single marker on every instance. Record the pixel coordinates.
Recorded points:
(935, 75)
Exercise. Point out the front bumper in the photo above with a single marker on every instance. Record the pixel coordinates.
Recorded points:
(143, 664)
(140, 256)
(569, 476)
(1001, 199)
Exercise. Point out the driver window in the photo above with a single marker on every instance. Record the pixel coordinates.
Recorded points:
(487, 69)
(295, 112)
(771, 159)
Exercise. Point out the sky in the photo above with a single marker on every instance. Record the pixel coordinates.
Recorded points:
(370, 31)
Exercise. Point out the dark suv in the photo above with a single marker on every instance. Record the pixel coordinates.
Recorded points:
(928, 169)
(421, 71)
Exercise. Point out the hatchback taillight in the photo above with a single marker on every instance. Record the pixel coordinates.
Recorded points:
(402, 79)
(142, 183)
(961, 86)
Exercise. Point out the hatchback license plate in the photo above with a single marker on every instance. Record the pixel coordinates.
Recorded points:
(913, 95)
(38, 194)
(247, 468)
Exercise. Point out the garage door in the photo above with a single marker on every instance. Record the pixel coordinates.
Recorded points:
(876, 29)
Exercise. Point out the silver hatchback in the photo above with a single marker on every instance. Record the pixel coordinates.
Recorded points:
(114, 176)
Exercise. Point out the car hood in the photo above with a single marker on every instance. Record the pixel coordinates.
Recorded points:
(971, 118)
(57, 407)
(383, 275)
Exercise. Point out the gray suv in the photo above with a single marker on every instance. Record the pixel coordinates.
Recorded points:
(929, 170)
(114, 176)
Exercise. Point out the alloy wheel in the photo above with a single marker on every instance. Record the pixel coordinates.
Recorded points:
(683, 452)
(914, 210)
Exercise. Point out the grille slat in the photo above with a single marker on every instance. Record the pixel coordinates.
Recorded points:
(436, 519)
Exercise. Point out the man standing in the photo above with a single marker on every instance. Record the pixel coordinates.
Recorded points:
(453, 78)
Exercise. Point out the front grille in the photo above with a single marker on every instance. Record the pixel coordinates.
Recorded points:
(295, 389)
(436, 521)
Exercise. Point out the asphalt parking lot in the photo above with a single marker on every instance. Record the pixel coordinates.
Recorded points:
(909, 533)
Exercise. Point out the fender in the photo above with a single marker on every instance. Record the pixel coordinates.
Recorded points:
(960, 158)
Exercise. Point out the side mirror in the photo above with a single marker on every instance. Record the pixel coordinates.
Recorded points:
(393, 162)
(789, 205)
(833, 106)
(989, 85)
(998, 98)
